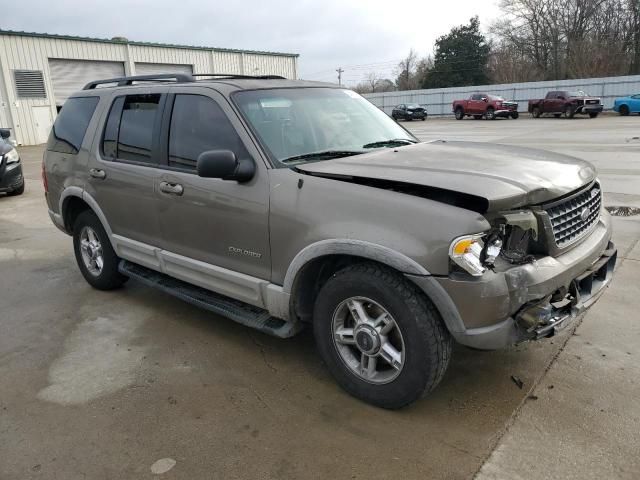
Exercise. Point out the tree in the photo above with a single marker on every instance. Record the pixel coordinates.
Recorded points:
(406, 74)
(460, 58)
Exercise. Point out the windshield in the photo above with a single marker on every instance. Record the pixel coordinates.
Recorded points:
(414, 105)
(578, 93)
(310, 124)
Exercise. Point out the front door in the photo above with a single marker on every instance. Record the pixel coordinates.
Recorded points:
(42, 122)
(210, 228)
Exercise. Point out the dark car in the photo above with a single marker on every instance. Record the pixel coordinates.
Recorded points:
(411, 111)
(563, 102)
(11, 179)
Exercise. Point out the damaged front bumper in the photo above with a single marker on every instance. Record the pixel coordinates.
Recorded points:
(526, 302)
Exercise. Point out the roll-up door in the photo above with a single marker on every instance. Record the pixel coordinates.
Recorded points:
(69, 76)
(155, 68)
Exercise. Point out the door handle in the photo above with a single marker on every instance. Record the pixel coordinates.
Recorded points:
(98, 173)
(171, 188)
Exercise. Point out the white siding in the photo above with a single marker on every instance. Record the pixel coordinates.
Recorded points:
(69, 76)
(143, 68)
(32, 52)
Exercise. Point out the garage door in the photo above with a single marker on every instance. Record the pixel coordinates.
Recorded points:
(155, 68)
(69, 76)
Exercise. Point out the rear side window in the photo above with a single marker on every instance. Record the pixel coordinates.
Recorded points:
(198, 124)
(137, 121)
(71, 125)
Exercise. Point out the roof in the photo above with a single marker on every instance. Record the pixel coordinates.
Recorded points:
(143, 44)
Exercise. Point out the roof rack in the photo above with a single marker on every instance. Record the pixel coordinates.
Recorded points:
(234, 75)
(175, 77)
(124, 81)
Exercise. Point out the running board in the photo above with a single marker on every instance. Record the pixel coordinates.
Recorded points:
(235, 310)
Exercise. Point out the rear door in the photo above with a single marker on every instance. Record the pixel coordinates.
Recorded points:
(210, 224)
(124, 170)
(475, 105)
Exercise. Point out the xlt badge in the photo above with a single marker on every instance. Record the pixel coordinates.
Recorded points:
(244, 251)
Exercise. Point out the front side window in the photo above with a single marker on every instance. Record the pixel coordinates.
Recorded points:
(305, 124)
(137, 121)
(71, 125)
(198, 124)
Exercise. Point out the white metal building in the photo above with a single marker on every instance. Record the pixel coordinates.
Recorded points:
(39, 71)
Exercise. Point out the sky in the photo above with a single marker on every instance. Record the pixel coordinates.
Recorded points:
(358, 36)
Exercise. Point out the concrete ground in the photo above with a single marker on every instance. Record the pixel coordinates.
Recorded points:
(136, 384)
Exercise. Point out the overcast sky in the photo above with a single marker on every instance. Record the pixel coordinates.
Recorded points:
(360, 36)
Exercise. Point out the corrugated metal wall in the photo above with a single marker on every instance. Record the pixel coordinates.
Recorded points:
(32, 52)
(439, 101)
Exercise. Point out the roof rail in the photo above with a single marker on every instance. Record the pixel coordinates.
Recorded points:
(234, 75)
(124, 81)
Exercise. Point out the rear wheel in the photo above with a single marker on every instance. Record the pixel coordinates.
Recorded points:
(491, 114)
(624, 110)
(536, 112)
(381, 338)
(459, 114)
(593, 114)
(96, 258)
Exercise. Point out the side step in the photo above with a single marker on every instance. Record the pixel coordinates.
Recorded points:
(235, 310)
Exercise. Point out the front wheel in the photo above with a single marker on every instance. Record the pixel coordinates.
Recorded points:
(515, 115)
(491, 114)
(536, 112)
(624, 110)
(96, 258)
(569, 111)
(593, 114)
(381, 338)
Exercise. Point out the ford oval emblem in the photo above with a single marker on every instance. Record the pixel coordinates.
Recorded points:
(584, 215)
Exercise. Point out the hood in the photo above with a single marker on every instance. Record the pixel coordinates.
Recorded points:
(500, 177)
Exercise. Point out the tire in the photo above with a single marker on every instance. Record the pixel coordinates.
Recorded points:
(477, 117)
(421, 341)
(569, 112)
(423, 118)
(593, 114)
(536, 112)
(557, 115)
(107, 277)
(515, 115)
(17, 191)
(624, 110)
(491, 114)
(459, 113)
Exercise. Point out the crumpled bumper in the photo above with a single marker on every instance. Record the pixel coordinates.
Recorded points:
(11, 177)
(526, 302)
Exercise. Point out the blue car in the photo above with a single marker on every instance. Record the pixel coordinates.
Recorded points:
(627, 105)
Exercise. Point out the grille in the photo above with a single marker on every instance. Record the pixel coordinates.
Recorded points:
(593, 102)
(573, 218)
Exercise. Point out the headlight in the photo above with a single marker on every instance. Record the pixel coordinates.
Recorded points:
(474, 254)
(12, 156)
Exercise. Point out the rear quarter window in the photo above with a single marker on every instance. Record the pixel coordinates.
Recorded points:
(71, 125)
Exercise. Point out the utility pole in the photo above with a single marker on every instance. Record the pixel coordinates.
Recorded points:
(340, 72)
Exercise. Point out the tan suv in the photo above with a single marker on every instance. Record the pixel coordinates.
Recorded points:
(281, 203)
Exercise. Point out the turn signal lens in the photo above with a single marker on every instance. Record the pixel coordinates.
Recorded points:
(465, 252)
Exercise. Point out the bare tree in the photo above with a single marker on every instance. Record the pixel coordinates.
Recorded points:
(406, 79)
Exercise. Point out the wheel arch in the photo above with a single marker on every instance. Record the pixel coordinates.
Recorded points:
(315, 264)
(75, 200)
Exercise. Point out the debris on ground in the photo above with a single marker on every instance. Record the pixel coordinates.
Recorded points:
(519, 383)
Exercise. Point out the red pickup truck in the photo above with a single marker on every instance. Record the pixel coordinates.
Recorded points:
(481, 105)
(563, 102)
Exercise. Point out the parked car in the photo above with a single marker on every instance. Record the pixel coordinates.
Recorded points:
(242, 196)
(480, 105)
(11, 178)
(563, 102)
(627, 105)
(409, 112)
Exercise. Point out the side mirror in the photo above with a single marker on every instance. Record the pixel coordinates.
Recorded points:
(224, 164)
(485, 99)
(5, 133)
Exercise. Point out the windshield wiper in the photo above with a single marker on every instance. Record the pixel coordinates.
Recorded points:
(394, 142)
(324, 155)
